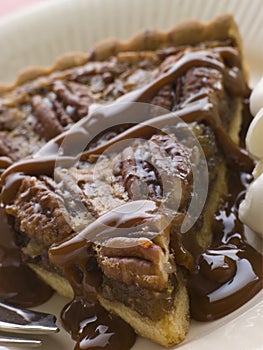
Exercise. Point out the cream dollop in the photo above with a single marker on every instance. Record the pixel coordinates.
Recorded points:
(254, 138)
(251, 209)
(256, 98)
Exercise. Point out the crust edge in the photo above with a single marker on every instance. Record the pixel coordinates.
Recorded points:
(186, 32)
(170, 331)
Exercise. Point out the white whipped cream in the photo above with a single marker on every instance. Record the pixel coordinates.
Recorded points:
(256, 98)
(251, 209)
(254, 138)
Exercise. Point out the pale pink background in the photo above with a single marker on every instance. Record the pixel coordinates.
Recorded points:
(9, 6)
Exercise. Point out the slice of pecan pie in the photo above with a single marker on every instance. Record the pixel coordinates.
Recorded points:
(114, 229)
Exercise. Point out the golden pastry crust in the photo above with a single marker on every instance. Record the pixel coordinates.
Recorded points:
(189, 32)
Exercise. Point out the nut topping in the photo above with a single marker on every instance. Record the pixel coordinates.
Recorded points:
(138, 176)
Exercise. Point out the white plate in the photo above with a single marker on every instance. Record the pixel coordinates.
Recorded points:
(38, 35)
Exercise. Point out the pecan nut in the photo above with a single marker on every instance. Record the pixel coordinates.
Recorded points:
(40, 212)
(138, 176)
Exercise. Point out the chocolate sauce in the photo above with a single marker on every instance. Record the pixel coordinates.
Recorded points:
(19, 285)
(5, 162)
(246, 120)
(92, 327)
(200, 112)
(90, 324)
(229, 273)
(225, 276)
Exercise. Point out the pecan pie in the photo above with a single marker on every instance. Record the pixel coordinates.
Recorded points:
(110, 226)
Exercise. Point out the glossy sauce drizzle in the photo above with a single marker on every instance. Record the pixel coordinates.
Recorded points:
(19, 285)
(229, 273)
(90, 324)
(92, 327)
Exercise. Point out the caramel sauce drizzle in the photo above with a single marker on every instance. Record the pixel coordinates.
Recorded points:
(227, 274)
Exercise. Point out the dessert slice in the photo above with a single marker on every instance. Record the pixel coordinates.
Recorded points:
(196, 71)
(127, 209)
